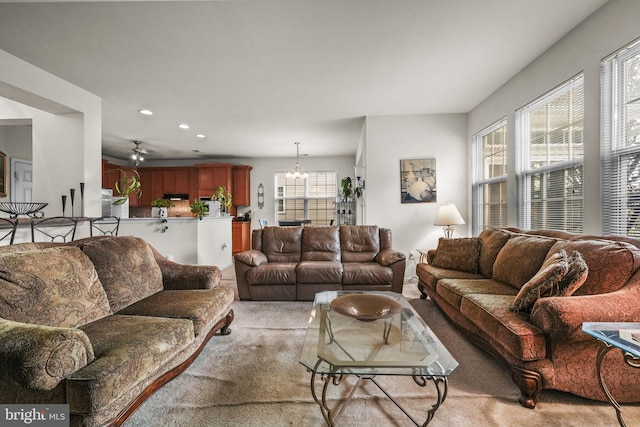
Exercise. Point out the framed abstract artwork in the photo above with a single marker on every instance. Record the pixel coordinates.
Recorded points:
(418, 180)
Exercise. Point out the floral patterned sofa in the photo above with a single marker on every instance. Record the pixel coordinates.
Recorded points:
(523, 296)
(101, 323)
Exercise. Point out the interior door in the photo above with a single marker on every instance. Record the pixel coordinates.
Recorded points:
(21, 180)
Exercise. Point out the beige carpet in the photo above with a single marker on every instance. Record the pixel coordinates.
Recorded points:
(253, 378)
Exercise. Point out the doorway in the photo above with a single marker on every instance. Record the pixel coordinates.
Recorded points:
(21, 180)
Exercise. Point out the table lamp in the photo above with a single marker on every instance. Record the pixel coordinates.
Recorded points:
(448, 216)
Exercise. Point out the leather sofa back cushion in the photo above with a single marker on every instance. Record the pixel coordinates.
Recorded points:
(493, 240)
(610, 264)
(320, 244)
(359, 243)
(127, 269)
(282, 244)
(520, 259)
(52, 287)
(458, 254)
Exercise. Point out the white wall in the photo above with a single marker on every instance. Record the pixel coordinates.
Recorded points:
(392, 138)
(608, 29)
(67, 128)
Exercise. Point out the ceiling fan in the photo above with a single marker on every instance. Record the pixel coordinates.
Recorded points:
(137, 153)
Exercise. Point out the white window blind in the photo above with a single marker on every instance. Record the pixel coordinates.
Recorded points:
(620, 146)
(312, 198)
(550, 137)
(490, 177)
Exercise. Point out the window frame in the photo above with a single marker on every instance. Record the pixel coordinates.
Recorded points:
(479, 182)
(280, 201)
(525, 172)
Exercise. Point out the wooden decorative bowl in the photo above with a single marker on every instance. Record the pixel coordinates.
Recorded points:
(366, 307)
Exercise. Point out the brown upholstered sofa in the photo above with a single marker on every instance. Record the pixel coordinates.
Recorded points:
(293, 263)
(101, 323)
(545, 347)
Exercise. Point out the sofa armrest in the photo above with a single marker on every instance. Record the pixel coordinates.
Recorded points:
(561, 317)
(251, 257)
(177, 276)
(386, 257)
(40, 357)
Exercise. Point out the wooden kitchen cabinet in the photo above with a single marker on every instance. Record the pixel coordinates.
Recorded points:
(211, 176)
(240, 236)
(242, 185)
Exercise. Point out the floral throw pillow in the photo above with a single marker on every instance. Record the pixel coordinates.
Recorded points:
(550, 274)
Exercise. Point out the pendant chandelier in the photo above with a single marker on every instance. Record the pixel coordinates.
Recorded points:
(297, 172)
(137, 153)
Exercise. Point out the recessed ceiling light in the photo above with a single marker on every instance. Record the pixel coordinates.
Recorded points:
(183, 126)
(200, 135)
(146, 112)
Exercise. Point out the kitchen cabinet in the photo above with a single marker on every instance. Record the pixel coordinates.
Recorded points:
(213, 175)
(242, 185)
(240, 236)
(152, 184)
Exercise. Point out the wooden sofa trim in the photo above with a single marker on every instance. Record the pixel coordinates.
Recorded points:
(222, 326)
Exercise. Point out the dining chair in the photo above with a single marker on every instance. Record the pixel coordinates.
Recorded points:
(57, 228)
(105, 226)
(8, 229)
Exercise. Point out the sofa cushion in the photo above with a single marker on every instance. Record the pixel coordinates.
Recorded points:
(610, 263)
(359, 243)
(319, 272)
(512, 331)
(129, 350)
(320, 244)
(282, 244)
(576, 276)
(204, 307)
(51, 287)
(458, 254)
(273, 273)
(453, 290)
(366, 273)
(430, 275)
(552, 271)
(126, 267)
(493, 239)
(521, 258)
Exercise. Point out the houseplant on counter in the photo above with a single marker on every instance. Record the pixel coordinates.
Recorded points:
(126, 185)
(221, 195)
(199, 209)
(160, 206)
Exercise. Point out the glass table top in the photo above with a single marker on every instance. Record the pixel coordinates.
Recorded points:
(398, 345)
(623, 335)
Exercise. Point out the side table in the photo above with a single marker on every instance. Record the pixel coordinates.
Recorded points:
(624, 336)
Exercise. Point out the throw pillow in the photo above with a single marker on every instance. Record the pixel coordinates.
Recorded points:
(575, 277)
(458, 254)
(52, 287)
(551, 272)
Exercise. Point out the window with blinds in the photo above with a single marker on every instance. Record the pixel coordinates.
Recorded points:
(490, 177)
(550, 137)
(620, 146)
(306, 199)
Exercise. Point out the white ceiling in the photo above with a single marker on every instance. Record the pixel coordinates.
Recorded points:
(256, 76)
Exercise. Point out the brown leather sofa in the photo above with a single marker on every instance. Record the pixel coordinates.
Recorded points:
(544, 348)
(293, 263)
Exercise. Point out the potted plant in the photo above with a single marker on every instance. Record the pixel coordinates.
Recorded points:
(348, 190)
(160, 206)
(126, 185)
(221, 195)
(199, 209)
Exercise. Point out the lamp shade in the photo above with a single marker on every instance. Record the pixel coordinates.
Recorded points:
(448, 215)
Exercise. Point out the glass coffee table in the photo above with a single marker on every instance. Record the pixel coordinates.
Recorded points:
(370, 334)
(624, 336)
